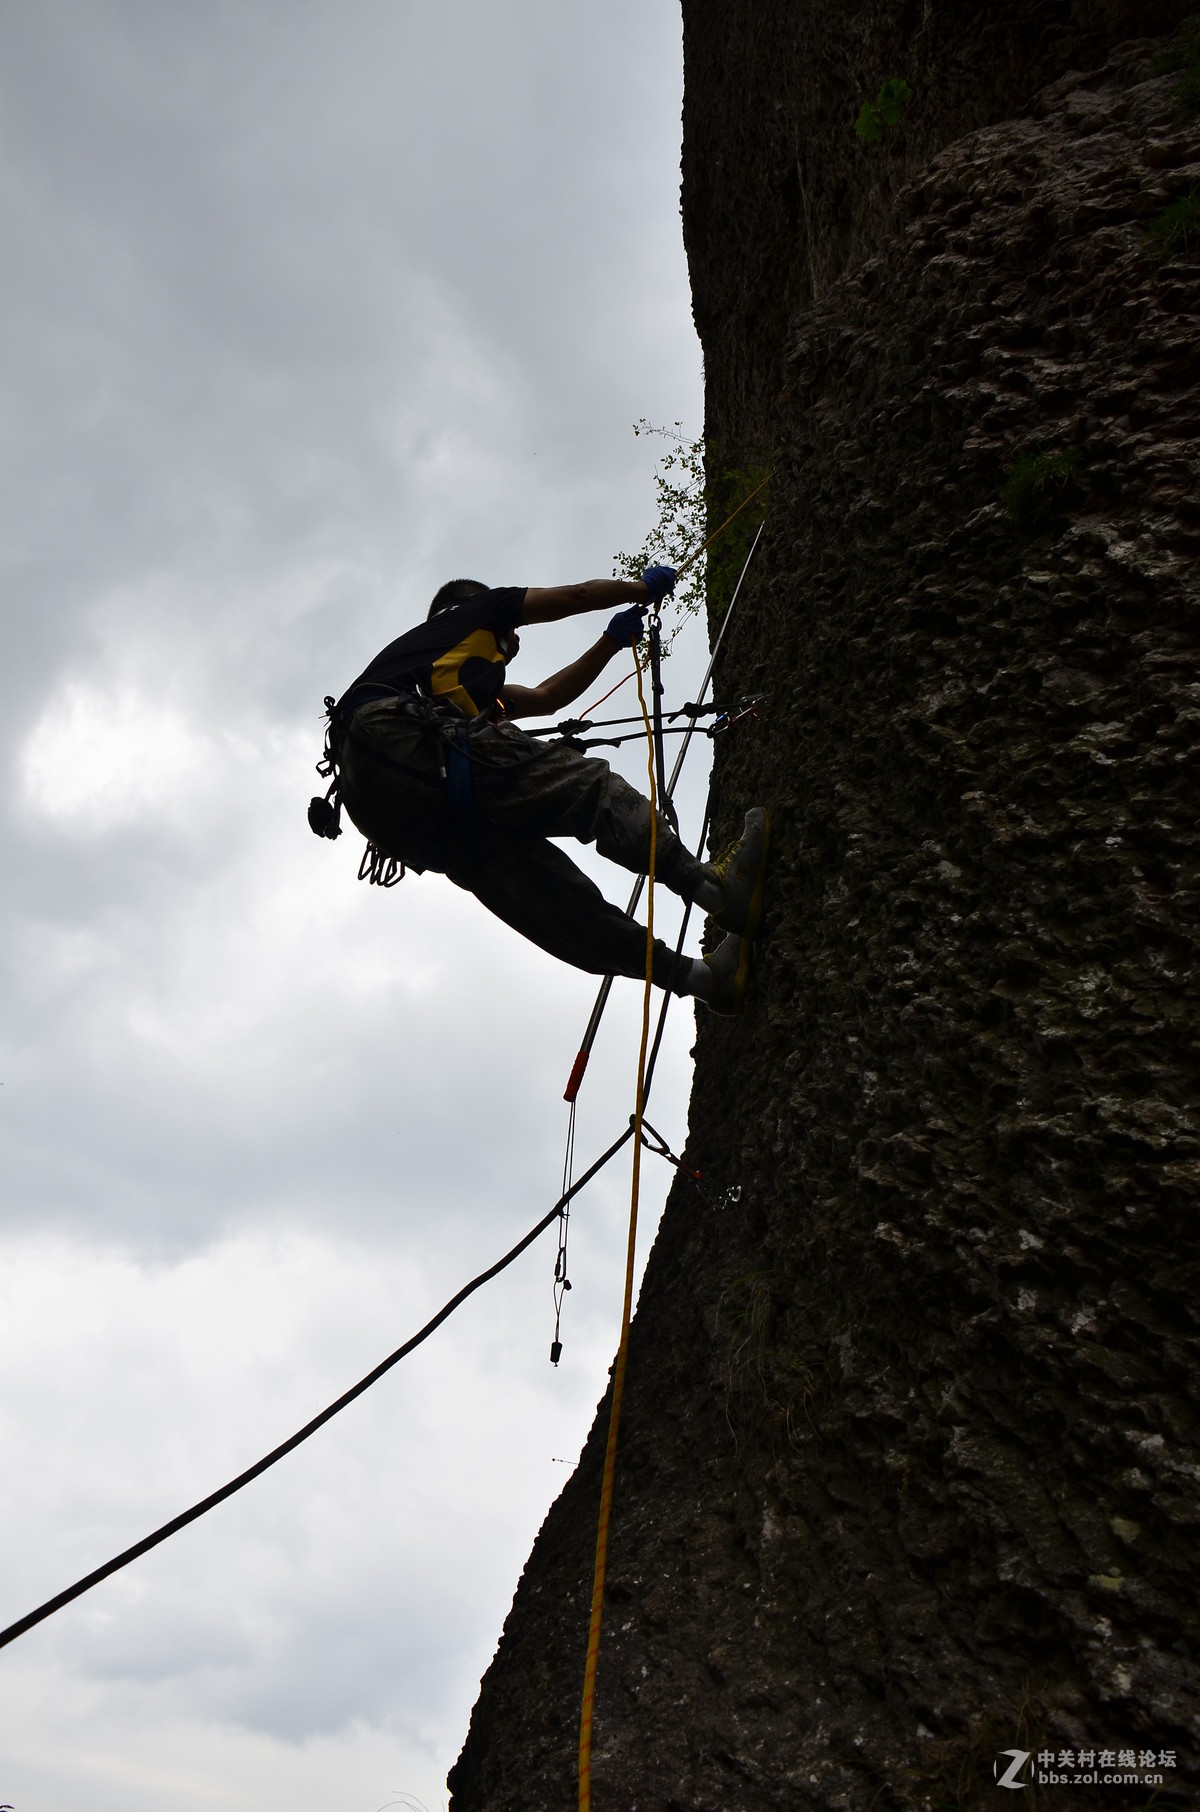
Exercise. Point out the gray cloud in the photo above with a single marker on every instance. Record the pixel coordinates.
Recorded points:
(306, 308)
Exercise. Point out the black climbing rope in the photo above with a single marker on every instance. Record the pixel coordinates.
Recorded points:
(310, 1428)
(654, 641)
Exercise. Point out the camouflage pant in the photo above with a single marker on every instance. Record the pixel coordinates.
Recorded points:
(524, 792)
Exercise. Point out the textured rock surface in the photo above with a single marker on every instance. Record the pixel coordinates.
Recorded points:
(911, 1469)
(780, 197)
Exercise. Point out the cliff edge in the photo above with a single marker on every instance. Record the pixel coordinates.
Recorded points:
(910, 1464)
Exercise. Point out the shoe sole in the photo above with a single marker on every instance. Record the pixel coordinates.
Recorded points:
(754, 915)
(741, 980)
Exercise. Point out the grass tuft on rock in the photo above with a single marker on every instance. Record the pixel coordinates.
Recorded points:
(1177, 228)
(1184, 56)
(1038, 485)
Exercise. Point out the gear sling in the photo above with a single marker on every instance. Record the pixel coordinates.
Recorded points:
(325, 812)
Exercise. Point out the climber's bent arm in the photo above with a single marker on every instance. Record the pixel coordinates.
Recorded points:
(563, 688)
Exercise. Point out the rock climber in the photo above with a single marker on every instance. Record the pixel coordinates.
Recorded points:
(433, 770)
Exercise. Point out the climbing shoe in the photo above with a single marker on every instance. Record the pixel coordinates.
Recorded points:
(740, 870)
(729, 965)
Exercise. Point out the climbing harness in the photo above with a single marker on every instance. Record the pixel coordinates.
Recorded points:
(459, 792)
(451, 732)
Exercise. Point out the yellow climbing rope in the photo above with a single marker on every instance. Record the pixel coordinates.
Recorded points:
(587, 1708)
(697, 551)
(618, 1385)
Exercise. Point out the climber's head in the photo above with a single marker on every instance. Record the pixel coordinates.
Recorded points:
(455, 591)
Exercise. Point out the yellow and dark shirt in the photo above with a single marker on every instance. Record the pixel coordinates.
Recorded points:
(458, 656)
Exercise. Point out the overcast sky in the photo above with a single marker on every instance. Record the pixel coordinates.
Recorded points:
(306, 309)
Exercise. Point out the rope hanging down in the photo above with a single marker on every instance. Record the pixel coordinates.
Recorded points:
(562, 1282)
(657, 789)
(618, 1383)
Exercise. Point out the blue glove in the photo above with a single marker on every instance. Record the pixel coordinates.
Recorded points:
(627, 626)
(659, 582)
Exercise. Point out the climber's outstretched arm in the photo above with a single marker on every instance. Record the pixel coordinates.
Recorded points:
(549, 604)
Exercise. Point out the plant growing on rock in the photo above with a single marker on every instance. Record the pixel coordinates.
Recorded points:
(679, 528)
(1185, 57)
(1037, 485)
(885, 110)
(695, 490)
(1177, 228)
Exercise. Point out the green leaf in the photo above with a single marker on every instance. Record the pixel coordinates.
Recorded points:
(694, 486)
(868, 125)
(893, 97)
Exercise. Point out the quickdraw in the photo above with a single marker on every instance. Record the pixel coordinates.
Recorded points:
(723, 719)
(658, 1145)
(571, 728)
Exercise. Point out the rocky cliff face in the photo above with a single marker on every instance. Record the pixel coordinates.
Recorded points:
(781, 198)
(910, 1468)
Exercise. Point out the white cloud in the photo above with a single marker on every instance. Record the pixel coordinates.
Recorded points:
(98, 758)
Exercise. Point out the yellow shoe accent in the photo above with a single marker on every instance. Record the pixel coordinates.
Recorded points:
(741, 870)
